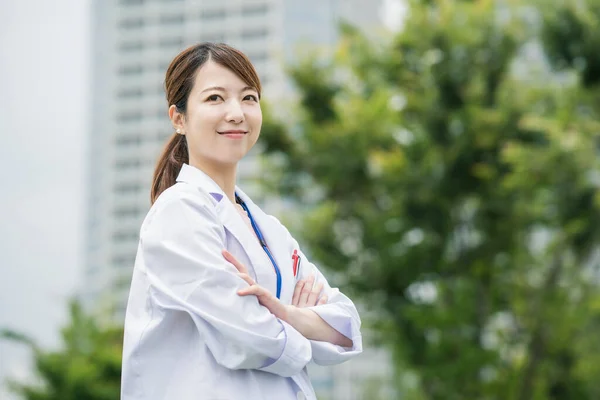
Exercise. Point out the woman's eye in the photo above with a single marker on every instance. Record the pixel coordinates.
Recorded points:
(251, 97)
(213, 97)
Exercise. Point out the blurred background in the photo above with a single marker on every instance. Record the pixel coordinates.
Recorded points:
(438, 159)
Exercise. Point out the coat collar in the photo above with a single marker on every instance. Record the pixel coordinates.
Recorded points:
(198, 178)
(235, 225)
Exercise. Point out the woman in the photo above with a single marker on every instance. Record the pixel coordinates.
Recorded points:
(223, 304)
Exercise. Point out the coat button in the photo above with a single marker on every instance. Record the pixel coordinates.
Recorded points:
(300, 396)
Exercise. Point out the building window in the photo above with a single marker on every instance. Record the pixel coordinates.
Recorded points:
(258, 57)
(127, 188)
(128, 93)
(128, 70)
(170, 42)
(162, 136)
(129, 140)
(138, 45)
(251, 10)
(126, 212)
(171, 19)
(122, 236)
(122, 260)
(213, 14)
(127, 163)
(214, 37)
(163, 66)
(255, 34)
(132, 23)
(131, 2)
(162, 113)
(129, 116)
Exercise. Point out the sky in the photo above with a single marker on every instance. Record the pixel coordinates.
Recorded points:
(44, 89)
(44, 109)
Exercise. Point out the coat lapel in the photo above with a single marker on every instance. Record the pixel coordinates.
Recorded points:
(275, 237)
(234, 225)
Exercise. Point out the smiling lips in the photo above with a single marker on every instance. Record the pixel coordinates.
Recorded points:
(233, 134)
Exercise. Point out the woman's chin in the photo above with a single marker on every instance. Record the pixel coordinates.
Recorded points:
(232, 159)
(225, 158)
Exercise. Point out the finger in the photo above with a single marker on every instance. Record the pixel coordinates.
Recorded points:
(263, 296)
(266, 299)
(323, 300)
(297, 291)
(247, 278)
(238, 265)
(254, 289)
(314, 295)
(306, 291)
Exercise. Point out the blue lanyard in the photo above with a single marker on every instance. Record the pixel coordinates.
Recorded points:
(262, 241)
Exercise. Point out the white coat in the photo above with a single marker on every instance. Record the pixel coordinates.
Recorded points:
(189, 335)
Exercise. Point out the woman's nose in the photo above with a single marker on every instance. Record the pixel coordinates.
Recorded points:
(234, 112)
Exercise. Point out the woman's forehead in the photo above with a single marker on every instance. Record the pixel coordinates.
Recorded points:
(213, 76)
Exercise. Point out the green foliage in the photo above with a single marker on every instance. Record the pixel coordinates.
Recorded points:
(88, 367)
(571, 38)
(458, 193)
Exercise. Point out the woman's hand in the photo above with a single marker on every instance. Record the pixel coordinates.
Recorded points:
(307, 322)
(265, 298)
(307, 295)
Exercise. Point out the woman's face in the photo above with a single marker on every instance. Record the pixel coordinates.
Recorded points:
(223, 117)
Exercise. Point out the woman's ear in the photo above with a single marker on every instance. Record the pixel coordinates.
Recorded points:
(177, 119)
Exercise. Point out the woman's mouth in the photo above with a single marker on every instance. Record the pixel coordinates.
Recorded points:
(233, 134)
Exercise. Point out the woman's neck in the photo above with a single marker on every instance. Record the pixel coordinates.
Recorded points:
(223, 175)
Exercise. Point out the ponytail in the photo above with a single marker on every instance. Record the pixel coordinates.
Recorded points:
(169, 164)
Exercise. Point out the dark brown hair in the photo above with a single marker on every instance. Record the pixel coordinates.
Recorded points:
(179, 81)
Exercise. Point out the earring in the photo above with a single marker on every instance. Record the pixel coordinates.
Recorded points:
(178, 131)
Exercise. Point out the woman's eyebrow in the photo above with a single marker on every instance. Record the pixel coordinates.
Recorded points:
(214, 88)
(222, 89)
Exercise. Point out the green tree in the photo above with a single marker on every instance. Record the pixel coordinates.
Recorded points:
(452, 183)
(88, 367)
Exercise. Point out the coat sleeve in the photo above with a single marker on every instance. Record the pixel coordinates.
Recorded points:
(181, 243)
(339, 312)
